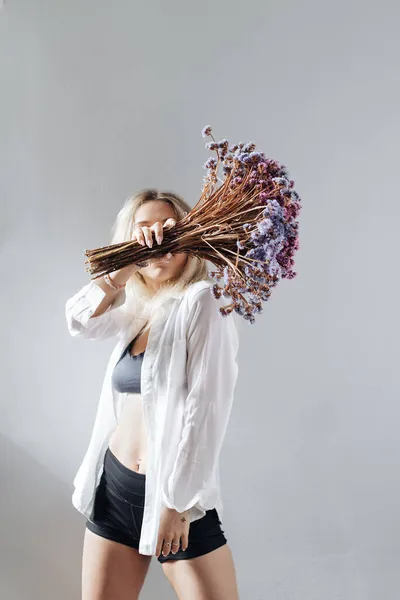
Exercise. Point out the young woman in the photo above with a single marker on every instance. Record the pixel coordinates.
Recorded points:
(149, 482)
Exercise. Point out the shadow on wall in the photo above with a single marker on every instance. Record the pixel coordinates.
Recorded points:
(40, 534)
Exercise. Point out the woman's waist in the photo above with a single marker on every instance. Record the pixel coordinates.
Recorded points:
(128, 441)
(130, 452)
(129, 409)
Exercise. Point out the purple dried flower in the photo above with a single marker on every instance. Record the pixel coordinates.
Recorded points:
(265, 225)
(206, 131)
(211, 163)
(266, 249)
(249, 147)
(216, 291)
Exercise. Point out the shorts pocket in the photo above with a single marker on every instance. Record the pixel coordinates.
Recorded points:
(114, 492)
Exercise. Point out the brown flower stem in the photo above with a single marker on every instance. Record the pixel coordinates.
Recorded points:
(235, 269)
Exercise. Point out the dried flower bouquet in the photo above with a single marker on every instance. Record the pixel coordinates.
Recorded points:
(245, 223)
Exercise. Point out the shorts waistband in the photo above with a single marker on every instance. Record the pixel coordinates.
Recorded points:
(122, 468)
(131, 480)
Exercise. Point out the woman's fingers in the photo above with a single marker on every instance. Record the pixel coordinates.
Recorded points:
(167, 547)
(158, 231)
(158, 228)
(148, 235)
(175, 545)
(168, 544)
(185, 540)
(158, 547)
(138, 235)
(162, 547)
(144, 235)
(170, 222)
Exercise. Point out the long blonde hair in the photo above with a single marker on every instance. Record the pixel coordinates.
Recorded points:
(139, 299)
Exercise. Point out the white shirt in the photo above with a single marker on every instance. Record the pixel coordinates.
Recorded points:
(189, 372)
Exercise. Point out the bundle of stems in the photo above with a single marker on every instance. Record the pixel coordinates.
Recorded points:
(244, 223)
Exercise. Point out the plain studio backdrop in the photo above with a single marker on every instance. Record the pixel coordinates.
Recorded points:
(100, 99)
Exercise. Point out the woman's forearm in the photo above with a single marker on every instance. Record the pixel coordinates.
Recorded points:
(119, 277)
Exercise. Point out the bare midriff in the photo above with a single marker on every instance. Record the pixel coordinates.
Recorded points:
(128, 440)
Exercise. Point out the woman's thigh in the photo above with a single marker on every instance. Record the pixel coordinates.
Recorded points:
(210, 576)
(110, 570)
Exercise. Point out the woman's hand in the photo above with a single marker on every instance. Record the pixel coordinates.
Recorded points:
(173, 530)
(144, 235)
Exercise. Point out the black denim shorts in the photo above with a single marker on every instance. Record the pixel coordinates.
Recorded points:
(118, 513)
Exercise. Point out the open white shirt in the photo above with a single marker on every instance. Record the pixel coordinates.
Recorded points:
(189, 372)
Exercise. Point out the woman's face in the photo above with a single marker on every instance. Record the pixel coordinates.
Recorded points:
(164, 268)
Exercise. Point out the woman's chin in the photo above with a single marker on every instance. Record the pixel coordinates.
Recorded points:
(160, 270)
(160, 273)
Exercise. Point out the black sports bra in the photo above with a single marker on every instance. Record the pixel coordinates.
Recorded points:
(127, 372)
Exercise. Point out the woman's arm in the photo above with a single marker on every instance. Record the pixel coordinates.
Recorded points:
(212, 369)
(93, 312)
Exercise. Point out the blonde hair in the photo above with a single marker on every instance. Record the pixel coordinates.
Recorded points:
(139, 299)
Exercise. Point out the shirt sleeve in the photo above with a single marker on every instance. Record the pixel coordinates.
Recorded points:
(212, 369)
(81, 306)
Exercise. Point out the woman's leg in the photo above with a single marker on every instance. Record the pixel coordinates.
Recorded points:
(210, 576)
(110, 570)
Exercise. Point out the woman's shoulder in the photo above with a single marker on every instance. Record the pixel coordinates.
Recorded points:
(200, 299)
(204, 308)
(198, 290)
(197, 286)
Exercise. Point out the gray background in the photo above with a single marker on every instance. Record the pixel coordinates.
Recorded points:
(99, 99)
